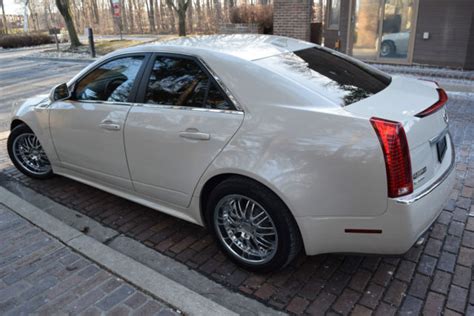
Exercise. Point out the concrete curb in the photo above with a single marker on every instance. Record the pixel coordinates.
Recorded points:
(134, 272)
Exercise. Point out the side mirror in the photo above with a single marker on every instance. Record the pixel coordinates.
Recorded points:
(60, 92)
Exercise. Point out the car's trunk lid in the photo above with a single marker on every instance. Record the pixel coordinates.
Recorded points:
(401, 101)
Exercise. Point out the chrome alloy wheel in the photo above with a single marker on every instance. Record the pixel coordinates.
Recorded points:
(385, 50)
(246, 229)
(29, 153)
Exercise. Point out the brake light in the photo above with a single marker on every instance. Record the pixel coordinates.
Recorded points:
(396, 153)
(443, 98)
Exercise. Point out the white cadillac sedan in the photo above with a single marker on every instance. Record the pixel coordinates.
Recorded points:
(272, 143)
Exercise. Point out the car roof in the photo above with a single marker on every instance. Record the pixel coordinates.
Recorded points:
(245, 46)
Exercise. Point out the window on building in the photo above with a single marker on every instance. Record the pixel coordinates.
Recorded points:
(334, 14)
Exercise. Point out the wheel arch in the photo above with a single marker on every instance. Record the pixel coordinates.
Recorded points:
(389, 41)
(17, 122)
(215, 180)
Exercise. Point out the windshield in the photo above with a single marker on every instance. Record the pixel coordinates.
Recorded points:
(338, 77)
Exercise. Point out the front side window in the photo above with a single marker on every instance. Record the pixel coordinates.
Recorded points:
(182, 82)
(112, 81)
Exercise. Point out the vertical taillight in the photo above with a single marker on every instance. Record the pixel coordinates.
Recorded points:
(397, 156)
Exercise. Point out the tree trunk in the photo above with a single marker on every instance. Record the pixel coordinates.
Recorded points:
(172, 19)
(217, 7)
(157, 16)
(4, 18)
(63, 7)
(163, 25)
(182, 22)
(181, 12)
(190, 16)
(139, 16)
(200, 16)
(131, 16)
(151, 16)
(95, 11)
(32, 16)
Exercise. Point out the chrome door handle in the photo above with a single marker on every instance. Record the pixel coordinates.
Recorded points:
(109, 125)
(196, 135)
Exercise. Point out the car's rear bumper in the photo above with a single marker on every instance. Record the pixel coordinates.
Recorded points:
(405, 220)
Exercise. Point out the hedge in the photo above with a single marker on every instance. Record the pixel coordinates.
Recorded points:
(24, 40)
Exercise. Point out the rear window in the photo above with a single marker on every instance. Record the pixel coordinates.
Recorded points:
(338, 77)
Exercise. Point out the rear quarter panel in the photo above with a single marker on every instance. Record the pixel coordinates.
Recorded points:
(321, 164)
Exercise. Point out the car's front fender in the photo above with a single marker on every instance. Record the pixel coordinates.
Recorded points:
(34, 112)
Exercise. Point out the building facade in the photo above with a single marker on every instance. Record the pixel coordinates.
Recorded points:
(432, 32)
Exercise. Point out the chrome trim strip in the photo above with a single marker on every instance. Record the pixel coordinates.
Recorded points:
(161, 106)
(412, 199)
(186, 108)
(103, 102)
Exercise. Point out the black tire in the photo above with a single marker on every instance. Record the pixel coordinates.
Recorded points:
(288, 236)
(387, 49)
(18, 131)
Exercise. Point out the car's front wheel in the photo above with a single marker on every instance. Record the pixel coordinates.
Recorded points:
(27, 154)
(252, 225)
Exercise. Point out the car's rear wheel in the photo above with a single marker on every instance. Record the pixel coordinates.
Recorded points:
(387, 49)
(252, 225)
(27, 154)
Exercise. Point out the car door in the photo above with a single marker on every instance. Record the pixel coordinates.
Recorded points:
(87, 129)
(183, 122)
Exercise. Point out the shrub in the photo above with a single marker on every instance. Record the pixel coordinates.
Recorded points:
(24, 40)
(259, 14)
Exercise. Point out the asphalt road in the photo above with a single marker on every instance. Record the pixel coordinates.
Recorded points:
(21, 78)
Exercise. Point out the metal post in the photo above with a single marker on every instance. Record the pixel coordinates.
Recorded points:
(56, 39)
(90, 36)
(121, 28)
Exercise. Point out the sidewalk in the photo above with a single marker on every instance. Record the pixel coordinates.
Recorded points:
(48, 267)
(39, 274)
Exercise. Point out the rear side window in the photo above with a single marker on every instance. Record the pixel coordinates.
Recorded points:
(182, 82)
(340, 78)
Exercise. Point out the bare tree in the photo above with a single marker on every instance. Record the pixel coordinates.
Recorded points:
(180, 9)
(172, 21)
(217, 7)
(190, 16)
(63, 7)
(95, 11)
(4, 18)
(151, 16)
(199, 14)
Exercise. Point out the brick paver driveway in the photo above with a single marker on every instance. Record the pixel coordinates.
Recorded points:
(435, 277)
(40, 275)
